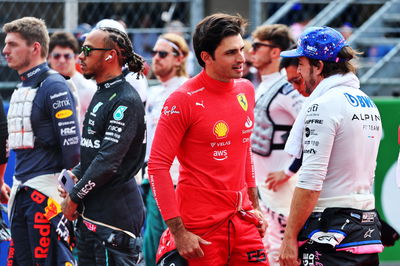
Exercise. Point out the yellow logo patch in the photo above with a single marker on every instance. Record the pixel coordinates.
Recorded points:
(242, 101)
(221, 129)
(52, 209)
(64, 113)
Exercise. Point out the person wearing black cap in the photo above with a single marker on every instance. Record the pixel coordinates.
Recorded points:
(338, 123)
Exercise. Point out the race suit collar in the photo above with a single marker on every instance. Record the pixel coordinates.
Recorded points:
(216, 85)
(111, 82)
(30, 77)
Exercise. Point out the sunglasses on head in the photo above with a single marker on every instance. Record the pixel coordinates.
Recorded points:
(257, 45)
(86, 50)
(59, 55)
(162, 54)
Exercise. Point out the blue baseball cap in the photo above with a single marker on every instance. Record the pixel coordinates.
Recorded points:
(321, 43)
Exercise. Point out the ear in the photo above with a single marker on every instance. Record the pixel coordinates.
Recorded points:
(178, 60)
(320, 67)
(36, 48)
(206, 57)
(276, 52)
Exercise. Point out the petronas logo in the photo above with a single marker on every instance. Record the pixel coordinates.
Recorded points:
(119, 113)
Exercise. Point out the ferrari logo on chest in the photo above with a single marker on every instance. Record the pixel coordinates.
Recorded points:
(242, 101)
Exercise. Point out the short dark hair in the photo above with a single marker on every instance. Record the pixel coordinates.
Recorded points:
(344, 65)
(277, 34)
(64, 39)
(212, 29)
(289, 61)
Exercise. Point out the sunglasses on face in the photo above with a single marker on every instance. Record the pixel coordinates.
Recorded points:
(162, 54)
(86, 50)
(59, 55)
(257, 45)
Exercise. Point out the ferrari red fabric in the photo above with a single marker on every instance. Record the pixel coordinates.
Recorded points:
(207, 125)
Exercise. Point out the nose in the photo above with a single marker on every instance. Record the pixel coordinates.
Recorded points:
(5, 49)
(241, 58)
(81, 56)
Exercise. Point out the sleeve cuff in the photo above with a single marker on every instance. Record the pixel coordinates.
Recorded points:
(289, 173)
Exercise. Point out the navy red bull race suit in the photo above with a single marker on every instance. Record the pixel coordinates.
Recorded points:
(41, 234)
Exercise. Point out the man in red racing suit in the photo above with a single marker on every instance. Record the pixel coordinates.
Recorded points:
(206, 123)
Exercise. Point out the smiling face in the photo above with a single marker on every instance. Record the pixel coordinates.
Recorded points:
(296, 80)
(17, 52)
(309, 73)
(227, 62)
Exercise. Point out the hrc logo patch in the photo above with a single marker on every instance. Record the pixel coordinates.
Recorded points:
(242, 101)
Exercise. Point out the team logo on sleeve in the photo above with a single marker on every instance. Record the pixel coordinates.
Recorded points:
(119, 113)
(242, 101)
(221, 129)
(63, 114)
(52, 209)
(96, 107)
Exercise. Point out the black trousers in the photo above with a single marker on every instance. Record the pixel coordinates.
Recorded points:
(107, 247)
(313, 253)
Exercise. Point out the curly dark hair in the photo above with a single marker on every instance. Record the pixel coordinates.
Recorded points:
(120, 41)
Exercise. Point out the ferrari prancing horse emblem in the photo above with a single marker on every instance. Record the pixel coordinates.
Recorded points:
(242, 101)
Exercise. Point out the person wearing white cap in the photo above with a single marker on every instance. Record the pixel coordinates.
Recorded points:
(332, 218)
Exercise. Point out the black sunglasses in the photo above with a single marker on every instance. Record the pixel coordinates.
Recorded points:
(162, 54)
(256, 45)
(59, 55)
(86, 50)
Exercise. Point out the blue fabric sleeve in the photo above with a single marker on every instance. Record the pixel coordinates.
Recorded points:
(60, 103)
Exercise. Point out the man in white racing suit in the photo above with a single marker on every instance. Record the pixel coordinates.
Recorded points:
(332, 218)
(277, 106)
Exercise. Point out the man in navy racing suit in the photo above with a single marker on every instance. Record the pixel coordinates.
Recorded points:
(43, 132)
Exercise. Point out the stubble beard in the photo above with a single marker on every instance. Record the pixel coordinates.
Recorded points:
(310, 86)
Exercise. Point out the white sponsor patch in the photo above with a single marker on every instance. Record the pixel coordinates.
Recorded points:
(58, 95)
(71, 141)
(68, 131)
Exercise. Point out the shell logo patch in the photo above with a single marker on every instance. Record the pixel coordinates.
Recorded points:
(64, 113)
(242, 101)
(52, 209)
(221, 129)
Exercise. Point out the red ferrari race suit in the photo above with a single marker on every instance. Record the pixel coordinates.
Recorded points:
(207, 125)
